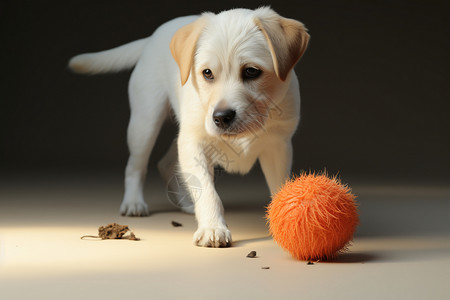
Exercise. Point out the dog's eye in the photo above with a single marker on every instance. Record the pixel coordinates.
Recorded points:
(208, 74)
(251, 73)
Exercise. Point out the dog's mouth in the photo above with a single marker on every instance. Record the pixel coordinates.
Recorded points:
(251, 126)
(248, 121)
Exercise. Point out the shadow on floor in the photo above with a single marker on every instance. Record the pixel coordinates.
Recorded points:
(242, 243)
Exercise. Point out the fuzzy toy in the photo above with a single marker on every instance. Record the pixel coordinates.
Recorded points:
(313, 217)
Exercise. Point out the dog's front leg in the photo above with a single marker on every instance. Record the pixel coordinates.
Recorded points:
(197, 172)
(276, 161)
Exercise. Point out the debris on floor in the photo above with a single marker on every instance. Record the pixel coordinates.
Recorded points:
(252, 254)
(176, 224)
(113, 231)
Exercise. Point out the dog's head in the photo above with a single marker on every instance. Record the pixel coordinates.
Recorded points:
(238, 61)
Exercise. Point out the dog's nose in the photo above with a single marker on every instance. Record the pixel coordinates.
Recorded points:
(223, 117)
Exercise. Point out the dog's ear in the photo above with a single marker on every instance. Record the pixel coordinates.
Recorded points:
(183, 46)
(287, 39)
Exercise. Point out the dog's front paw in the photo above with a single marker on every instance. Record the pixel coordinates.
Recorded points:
(132, 209)
(217, 237)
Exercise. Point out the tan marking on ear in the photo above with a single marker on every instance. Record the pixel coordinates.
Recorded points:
(182, 46)
(287, 39)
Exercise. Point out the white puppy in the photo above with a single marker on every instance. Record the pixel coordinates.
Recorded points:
(229, 80)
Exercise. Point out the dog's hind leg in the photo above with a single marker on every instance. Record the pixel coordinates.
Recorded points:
(149, 107)
(176, 192)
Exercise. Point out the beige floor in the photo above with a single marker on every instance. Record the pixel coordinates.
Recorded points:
(401, 251)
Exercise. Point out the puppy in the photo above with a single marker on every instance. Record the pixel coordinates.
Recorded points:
(229, 80)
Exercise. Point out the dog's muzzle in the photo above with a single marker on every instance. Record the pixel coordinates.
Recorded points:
(223, 118)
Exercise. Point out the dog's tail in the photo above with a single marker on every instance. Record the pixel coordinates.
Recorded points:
(113, 60)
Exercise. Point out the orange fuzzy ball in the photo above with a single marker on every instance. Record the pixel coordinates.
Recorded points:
(313, 217)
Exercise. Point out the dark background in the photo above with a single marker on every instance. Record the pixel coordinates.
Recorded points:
(374, 84)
